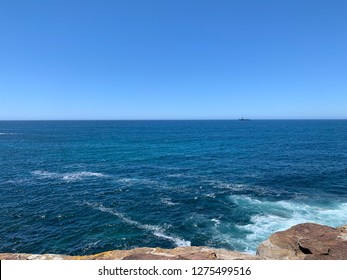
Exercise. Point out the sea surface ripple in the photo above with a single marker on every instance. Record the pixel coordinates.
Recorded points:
(83, 187)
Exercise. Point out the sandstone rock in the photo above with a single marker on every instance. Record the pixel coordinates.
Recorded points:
(179, 253)
(9, 256)
(307, 241)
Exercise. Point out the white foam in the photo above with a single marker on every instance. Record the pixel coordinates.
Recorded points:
(180, 175)
(176, 175)
(91, 245)
(216, 222)
(75, 176)
(168, 201)
(45, 174)
(229, 186)
(135, 181)
(273, 216)
(72, 176)
(155, 230)
(212, 195)
(7, 133)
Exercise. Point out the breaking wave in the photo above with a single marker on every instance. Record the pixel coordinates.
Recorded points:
(273, 216)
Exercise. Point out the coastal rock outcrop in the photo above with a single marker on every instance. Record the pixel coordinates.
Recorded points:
(307, 241)
(179, 253)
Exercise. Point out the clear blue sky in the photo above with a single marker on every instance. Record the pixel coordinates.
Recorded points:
(191, 59)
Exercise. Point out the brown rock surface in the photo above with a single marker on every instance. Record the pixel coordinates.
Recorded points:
(179, 253)
(307, 241)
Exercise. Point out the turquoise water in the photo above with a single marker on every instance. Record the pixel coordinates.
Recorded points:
(83, 187)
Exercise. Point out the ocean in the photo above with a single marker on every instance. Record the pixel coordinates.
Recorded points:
(84, 187)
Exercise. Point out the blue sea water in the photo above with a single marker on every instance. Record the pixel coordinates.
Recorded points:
(83, 187)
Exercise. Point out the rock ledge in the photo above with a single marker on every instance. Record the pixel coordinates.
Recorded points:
(179, 253)
(307, 241)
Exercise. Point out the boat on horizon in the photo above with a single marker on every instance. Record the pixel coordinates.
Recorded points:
(243, 119)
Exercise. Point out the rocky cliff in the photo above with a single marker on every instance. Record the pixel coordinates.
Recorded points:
(303, 241)
(306, 242)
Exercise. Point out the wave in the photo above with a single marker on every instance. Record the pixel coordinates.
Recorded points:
(176, 175)
(273, 216)
(247, 188)
(75, 176)
(131, 181)
(155, 230)
(8, 133)
(71, 176)
(180, 175)
(46, 174)
(168, 201)
(229, 186)
(216, 222)
(261, 219)
(211, 195)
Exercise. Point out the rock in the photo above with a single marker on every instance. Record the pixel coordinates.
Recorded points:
(307, 241)
(179, 253)
(9, 256)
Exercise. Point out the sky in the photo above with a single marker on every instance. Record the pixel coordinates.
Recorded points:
(190, 59)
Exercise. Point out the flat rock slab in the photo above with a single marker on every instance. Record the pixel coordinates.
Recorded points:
(307, 241)
(179, 253)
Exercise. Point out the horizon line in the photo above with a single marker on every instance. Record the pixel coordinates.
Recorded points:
(207, 119)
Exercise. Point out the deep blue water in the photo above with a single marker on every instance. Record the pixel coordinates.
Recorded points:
(85, 187)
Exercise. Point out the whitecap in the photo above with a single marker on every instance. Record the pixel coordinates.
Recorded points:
(273, 216)
(46, 174)
(91, 245)
(212, 195)
(168, 201)
(72, 176)
(229, 186)
(155, 230)
(7, 133)
(75, 176)
(180, 175)
(136, 181)
(176, 175)
(216, 222)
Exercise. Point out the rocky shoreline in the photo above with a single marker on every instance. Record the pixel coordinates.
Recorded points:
(306, 241)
